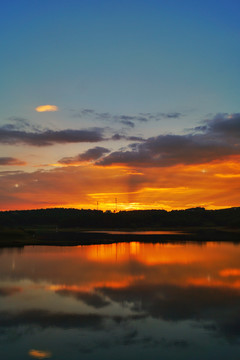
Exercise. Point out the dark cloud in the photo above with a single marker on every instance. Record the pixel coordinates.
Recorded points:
(9, 127)
(128, 138)
(174, 115)
(168, 150)
(89, 155)
(18, 123)
(128, 123)
(216, 139)
(92, 299)
(135, 138)
(127, 157)
(50, 137)
(159, 116)
(118, 137)
(87, 111)
(146, 117)
(227, 125)
(83, 113)
(11, 161)
(139, 118)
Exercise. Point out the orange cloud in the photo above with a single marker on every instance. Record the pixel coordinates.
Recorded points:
(46, 108)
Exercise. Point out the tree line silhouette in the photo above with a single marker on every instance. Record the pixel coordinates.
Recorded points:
(97, 219)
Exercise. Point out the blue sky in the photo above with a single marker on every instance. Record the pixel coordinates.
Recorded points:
(120, 56)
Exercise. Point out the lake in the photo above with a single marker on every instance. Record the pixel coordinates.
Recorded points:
(120, 301)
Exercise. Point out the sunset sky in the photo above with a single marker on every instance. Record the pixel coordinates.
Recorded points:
(133, 99)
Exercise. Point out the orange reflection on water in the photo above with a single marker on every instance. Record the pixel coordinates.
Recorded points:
(123, 265)
(186, 265)
(39, 354)
(212, 282)
(120, 252)
(127, 281)
(146, 253)
(230, 272)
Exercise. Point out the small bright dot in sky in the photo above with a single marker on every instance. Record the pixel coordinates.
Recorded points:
(16, 185)
(46, 108)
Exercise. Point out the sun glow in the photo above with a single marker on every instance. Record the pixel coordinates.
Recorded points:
(116, 189)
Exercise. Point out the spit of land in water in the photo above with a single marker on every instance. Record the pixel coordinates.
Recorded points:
(70, 237)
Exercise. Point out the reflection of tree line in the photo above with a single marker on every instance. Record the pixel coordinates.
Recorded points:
(61, 217)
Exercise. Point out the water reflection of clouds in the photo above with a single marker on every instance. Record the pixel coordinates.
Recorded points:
(100, 332)
(215, 309)
(9, 290)
(230, 272)
(90, 298)
(115, 263)
(218, 306)
(49, 319)
(78, 288)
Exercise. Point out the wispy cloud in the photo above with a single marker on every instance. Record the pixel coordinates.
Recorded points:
(11, 161)
(125, 119)
(89, 155)
(118, 136)
(128, 123)
(25, 133)
(21, 124)
(17, 123)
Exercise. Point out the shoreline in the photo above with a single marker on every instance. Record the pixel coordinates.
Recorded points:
(96, 237)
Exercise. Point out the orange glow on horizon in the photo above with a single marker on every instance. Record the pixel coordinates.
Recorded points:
(211, 185)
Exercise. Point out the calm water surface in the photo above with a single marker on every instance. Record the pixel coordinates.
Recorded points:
(120, 301)
(145, 232)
